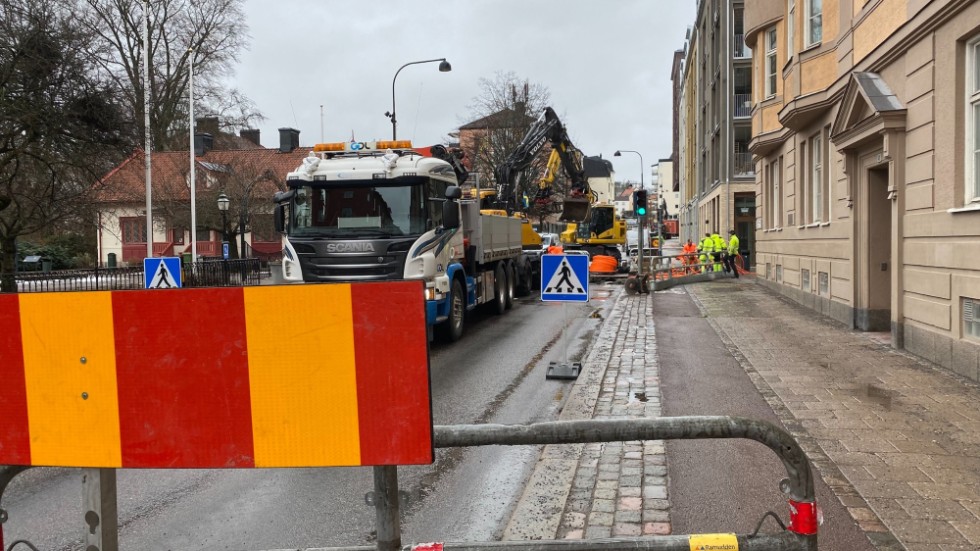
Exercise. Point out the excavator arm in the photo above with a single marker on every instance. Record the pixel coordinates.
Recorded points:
(547, 129)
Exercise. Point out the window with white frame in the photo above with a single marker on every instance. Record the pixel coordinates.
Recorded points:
(813, 24)
(771, 194)
(817, 190)
(771, 69)
(790, 26)
(973, 121)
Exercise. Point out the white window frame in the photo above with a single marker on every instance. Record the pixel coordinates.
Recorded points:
(818, 188)
(813, 22)
(778, 194)
(773, 209)
(816, 178)
(972, 115)
(790, 28)
(771, 68)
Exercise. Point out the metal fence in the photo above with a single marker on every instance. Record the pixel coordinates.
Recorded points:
(206, 273)
(798, 534)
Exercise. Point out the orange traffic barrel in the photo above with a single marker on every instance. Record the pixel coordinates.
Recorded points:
(603, 264)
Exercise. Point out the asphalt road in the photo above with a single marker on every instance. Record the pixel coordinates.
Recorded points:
(495, 373)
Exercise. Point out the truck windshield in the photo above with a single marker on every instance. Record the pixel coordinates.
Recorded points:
(360, 208)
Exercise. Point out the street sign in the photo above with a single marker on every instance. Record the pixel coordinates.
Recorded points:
(225, 250)
(565, 278)
(161, 273)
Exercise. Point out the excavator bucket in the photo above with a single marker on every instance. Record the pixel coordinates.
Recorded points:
(575, 208)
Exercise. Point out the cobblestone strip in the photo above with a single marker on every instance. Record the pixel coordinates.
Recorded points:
(551, 486)
(620, 488)
(893, 436)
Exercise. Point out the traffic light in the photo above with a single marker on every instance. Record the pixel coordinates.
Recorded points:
(640, 202)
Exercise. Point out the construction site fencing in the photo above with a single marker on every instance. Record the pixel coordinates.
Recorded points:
(664, 272)
(100, 525)
(205, 273)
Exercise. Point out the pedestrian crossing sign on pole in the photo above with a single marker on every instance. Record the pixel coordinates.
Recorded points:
(162, 273)
(564, 278)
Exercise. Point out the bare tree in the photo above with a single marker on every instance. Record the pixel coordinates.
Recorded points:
(208, 33)
(59, 133)
(248, 182)
(500, 117)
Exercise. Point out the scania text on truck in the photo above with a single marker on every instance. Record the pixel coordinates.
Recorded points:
(382, 211)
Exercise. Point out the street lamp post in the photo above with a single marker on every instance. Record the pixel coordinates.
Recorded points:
(444, 67)
(223, 203)
(643, 217)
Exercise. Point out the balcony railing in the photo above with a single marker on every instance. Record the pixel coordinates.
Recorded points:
(740, 51)
(742, 106)
(744, 165)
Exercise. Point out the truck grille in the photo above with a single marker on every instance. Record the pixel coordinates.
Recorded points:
(355, 267)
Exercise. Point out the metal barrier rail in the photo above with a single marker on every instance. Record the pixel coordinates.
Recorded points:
(800, 533)
(664, 272)
(206, 273)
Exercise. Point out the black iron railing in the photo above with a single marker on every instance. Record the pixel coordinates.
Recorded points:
(206, 273)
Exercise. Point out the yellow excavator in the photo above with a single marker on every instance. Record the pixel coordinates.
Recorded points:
(593, 227)
(603, 232)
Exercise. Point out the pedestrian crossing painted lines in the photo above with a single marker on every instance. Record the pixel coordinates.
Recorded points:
(273, 376)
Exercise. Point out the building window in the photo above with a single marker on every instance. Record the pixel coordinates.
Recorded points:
(973, 121)
(814, 21)
(817, 193)
(824, 282)
(790, 26)
(971, 317)
(771, 195)
(805, 276)
(133, 229)
(771, 69)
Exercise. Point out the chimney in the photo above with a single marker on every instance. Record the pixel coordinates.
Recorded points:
(203, 142)
(250, 134)
(208, 124)
(288, 139)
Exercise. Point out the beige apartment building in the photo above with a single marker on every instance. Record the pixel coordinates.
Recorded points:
(866, 138)
(716, 172)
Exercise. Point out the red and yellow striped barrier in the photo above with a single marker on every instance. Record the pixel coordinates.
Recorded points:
(271, 376)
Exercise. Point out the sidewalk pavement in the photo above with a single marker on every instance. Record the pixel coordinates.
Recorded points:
(896, 438)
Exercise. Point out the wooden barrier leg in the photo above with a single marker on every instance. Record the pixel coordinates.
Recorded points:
(386, 507)
(99, 504)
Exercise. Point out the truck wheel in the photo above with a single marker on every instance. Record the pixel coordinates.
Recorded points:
(511, 284)
(499, 289)
(524, 284)
(452, 329)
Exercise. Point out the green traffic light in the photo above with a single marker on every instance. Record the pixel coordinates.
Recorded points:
(641, 211)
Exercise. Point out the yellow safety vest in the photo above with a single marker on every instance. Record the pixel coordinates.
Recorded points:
(719, 243)
(707, 245)
(733, 245)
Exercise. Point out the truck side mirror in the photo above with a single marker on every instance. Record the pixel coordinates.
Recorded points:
(280, 218)
(279, 214)
(450, 209)
(450, 215)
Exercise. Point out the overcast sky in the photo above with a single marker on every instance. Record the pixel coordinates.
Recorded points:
(606, 64)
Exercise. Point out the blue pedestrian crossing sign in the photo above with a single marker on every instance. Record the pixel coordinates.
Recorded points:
(565, 278)
(161, 273)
